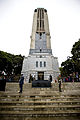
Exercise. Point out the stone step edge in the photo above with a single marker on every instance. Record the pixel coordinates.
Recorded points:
(39, 102)
(34, 97)
(38, 95)
(42, 106)
(39, 112)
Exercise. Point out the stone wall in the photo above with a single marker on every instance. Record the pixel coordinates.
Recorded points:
(29, 66)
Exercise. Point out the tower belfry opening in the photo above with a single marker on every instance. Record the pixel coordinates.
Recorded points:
(40, 20)
(40, 63)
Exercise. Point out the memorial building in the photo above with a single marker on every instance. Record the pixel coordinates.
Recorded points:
(40, 62)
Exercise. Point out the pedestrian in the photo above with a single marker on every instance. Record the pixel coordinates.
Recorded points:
(21, 82)
(2, 83)
(60, 85)
(77, 76)
(30, 78)
(71, 78)
(50, 78)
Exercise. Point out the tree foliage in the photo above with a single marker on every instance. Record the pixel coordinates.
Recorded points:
(72, 64)
(10, 63)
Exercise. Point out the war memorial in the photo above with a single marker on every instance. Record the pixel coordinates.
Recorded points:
(40, 63)
(38, 101)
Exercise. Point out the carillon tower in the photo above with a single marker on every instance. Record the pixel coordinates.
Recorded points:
(40, 63)
(40, 37)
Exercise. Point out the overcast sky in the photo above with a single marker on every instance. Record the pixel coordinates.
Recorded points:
(16, 17)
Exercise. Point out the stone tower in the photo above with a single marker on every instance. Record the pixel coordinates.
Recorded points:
(40, 31)
(40, 63)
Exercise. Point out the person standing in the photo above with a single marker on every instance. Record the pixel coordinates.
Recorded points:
(60, 85)
(50, 78)
(77, 76)
(21, 82)
(2, 83)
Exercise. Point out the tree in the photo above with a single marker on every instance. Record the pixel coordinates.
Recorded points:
(17, 64)
(72, 64)
(76, 55)
(10, 63)
(5, 62)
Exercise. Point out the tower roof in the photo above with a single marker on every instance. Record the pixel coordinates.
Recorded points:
(36, 10)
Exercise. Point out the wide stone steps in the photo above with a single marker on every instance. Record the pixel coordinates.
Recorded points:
(23, 97)
(39, 105)
(41, 113)
(55, 87)
(47, 99)
(40, 108)
(40, 101)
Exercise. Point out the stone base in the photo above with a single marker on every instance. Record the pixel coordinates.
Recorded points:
(51, 66)
(41, 83)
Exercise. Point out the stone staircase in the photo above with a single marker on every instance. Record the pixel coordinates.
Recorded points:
(40, 101)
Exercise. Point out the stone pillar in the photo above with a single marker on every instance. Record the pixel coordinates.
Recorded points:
(34, 27)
